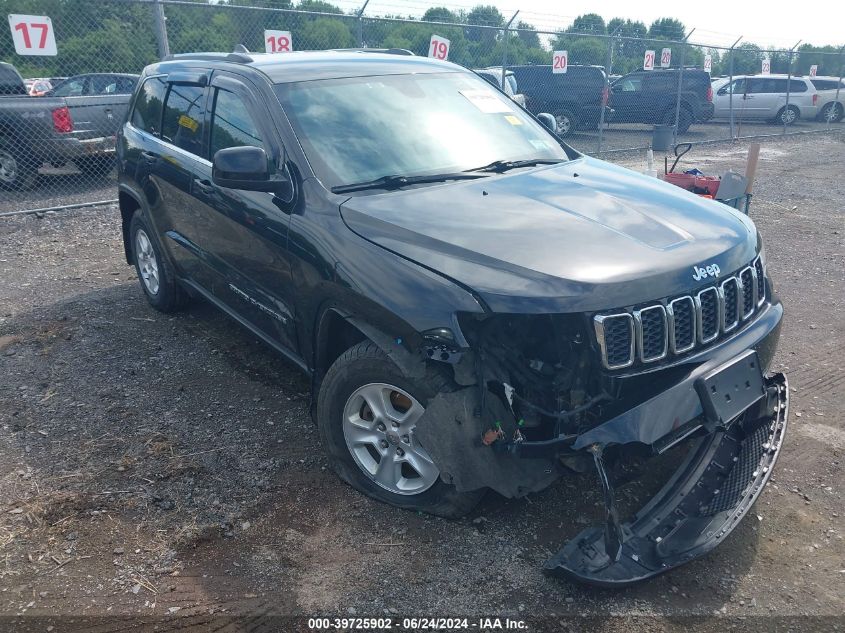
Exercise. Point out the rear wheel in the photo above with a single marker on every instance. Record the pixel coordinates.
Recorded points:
(157, 278)
(367, 413)
(685, 120)
(788, 115)
(566, 123)
(17, 170)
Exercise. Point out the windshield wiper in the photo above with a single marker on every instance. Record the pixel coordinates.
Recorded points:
(499, 166)
(396, 181)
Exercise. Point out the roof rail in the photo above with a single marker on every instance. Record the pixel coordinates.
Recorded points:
(238, 58)
(386, 51)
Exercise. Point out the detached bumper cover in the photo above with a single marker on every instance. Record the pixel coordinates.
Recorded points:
(701, 504)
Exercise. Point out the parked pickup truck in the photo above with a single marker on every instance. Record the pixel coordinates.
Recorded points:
(55, 130)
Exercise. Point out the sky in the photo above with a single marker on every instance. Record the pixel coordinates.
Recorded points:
(717, 22)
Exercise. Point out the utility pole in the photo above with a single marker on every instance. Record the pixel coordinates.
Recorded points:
(160, 22)
(505, 48)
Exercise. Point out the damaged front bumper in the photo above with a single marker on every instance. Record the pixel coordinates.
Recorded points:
(730, 417)
(701, 504)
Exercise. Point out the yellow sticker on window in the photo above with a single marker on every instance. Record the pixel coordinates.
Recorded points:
(188, 122)
(512, 119)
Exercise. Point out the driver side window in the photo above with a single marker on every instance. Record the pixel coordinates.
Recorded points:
(231, 124)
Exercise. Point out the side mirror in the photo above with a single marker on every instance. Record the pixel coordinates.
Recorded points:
(722, 91)
(247, 168)
(548, 121)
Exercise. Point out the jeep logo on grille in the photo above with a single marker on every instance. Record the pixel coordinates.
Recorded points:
(702, 272)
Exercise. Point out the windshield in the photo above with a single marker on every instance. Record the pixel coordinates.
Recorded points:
(363, 128)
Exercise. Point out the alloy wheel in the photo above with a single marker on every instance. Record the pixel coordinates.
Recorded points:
(147, 262)
(379, 425)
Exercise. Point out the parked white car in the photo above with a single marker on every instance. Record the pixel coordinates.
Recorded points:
(764, 97)
(831, 105)
(494, 76)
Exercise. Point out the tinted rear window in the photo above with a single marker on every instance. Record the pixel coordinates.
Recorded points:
(146, 114)
(825, 84)
(183, 115)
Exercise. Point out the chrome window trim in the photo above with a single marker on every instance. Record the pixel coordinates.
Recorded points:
(639, 331)
(700, 315)
(598, 323)
(727, 327)
(670, 312)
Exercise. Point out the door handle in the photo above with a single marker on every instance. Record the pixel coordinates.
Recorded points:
(149, 157)
(204, 186)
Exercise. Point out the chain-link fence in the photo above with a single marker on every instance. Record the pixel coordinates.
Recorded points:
(613, 88)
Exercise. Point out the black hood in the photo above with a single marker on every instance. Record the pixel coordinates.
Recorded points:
(582, 236)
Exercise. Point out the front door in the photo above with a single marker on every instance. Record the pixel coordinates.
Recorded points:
(249, 247)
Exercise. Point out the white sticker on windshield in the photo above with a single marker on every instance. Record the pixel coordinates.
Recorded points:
(538, 144)
(486, 101)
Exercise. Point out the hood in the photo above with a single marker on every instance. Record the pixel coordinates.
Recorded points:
(580, 236)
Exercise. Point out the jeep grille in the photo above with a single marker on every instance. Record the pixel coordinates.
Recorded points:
(678, 325)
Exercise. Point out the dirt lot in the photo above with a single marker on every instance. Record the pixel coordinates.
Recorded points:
(168, 467)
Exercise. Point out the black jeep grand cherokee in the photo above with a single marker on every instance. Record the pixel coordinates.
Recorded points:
(477, 304)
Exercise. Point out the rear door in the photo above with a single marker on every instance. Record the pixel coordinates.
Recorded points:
(247, 243)
(171, 164)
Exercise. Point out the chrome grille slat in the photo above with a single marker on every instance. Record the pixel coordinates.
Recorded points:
(730, 298)
(675, 326)
(652, 333)
(617, 352)
(682, 324)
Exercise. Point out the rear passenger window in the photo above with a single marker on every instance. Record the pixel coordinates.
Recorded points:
(146, 115)
(796, 85)
(232, 126)
(183, 114)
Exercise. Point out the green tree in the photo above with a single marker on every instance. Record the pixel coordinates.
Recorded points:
(588, 23)
(528, 36)
(439, 14)
(667, 29)
(484, 15)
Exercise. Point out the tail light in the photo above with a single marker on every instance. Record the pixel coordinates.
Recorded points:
(710, 93)
(815, 98)
(605, 94)
(61, 120)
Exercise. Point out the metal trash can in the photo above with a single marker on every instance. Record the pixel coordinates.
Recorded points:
(661, 138)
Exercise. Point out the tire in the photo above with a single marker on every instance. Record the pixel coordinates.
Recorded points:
(365, 369)
(788, 115)
(155, 274)
(95, 166)
(831, 112)
(686, 119)
(18, 172)
(566, 122)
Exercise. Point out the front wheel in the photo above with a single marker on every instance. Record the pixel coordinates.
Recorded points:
(566, 123)
(367, 414)
(832, 113)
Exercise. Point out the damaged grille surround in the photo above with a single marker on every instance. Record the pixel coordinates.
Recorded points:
(677, 325)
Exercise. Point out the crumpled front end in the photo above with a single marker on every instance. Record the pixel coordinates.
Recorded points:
(535, 401)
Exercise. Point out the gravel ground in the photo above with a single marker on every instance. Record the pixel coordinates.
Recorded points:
(167, 466)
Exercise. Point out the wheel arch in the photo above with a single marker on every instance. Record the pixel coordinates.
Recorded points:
(337, 331)
(128, 203)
